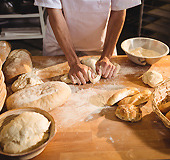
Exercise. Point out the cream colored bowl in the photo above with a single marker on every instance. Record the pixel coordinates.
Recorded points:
(6, 117)
(146, 43)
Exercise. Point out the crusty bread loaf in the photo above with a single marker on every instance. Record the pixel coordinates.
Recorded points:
(3, 94)
(129, 112)
(168, 115)
(137, 99)
(45, 96)
(26, 80)
(116, 97)
(5, 49)
(164, 108)
(18, 62)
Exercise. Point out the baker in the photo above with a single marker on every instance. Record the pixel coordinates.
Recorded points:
(84, 25)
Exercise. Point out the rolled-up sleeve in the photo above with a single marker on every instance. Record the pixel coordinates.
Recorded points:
(48, 3)
(124, 4)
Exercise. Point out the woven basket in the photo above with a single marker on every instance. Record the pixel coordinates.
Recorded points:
(159, 94)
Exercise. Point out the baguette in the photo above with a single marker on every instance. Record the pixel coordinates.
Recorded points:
(137, 99)
(46, 96)
(164, 108)
(116, 97)
(17, 63)
(5, 49)
(168, 115)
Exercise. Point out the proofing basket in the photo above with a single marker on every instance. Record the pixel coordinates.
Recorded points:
(159, 94)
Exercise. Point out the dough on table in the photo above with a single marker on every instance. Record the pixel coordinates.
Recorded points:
(90, 62)
(24, 132)
(152, 78)
(26, 80)
(129, 112)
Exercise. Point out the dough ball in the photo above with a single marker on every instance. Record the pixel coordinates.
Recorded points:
(129, 112)
(26, 80)
(152, 78)
(23, 132)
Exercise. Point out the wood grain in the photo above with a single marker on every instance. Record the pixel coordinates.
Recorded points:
(89, 130)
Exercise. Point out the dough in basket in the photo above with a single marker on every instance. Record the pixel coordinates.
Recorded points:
(23, 132)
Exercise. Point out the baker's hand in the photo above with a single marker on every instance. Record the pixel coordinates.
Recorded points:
(105, 68)
(78, 73)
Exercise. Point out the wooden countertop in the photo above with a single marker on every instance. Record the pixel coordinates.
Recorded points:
(86, 130)
(89, 130)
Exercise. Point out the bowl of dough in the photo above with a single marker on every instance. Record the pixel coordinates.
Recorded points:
(25, 132)
(142, 51)
(161, 102)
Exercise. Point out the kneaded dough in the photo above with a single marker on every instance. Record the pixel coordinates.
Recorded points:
(129, 112)
(90, 62)
(26, 80)
(152, 78)
(23, 132)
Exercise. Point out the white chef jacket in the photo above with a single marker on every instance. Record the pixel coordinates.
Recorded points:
(86, 20)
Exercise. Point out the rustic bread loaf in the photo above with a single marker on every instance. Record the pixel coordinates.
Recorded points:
(119, 95)
(5, 49)
(18, 62)
(3, 94)
(26, 80)
(46, 96)
(24, 132)
(129, 112)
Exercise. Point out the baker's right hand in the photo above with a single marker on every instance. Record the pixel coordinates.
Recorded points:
(78, 73)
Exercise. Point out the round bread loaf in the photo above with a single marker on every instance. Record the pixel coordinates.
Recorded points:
(18, 62)
(46, 96)
(5, 49)
(129, 112)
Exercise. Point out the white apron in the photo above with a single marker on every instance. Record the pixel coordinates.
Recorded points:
(86, 20)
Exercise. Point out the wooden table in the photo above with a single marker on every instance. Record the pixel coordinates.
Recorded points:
(87, 129)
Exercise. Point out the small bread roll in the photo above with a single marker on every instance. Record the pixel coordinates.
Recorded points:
(152, 78)
(116, 97)
(129, 112)
(168, 115)
(164, 108)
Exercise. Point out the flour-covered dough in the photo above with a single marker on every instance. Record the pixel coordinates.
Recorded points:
(26, 80)
(23, 132)
(152, 78)
(90, 62)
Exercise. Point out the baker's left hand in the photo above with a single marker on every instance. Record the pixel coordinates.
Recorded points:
(105, 68)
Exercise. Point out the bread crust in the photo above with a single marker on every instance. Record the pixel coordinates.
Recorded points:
(119, 95)
(5, 49)
(46, 96)
(137, 99)
(129, 112)
(17, 63)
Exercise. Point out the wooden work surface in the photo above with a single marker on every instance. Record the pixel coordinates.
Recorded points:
(89, 130)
